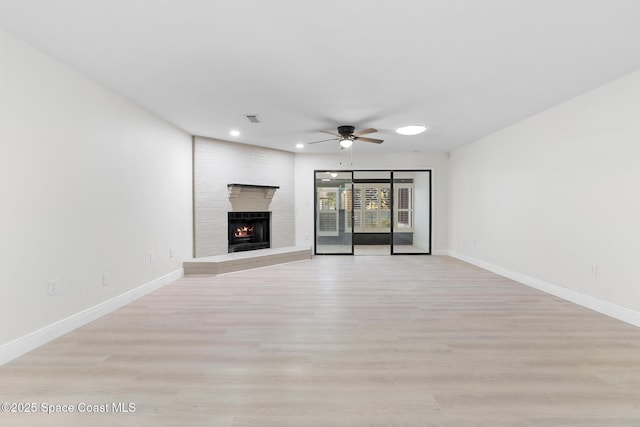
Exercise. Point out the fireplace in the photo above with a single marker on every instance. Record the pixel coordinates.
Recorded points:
(249, 231)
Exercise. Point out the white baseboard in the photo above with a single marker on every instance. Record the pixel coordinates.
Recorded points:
(604, 307)
(18, 347)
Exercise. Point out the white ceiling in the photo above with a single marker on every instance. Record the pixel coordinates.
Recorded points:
(466, 68)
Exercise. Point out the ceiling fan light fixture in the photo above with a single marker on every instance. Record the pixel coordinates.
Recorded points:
(411, 129)
(346, 142)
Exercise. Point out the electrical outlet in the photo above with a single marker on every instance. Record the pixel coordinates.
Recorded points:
(105, 279)
(593, 270)
(152, 258)
(52, 287)
(170, 252)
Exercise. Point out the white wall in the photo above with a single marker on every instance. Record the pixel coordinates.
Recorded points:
(218, 163)
(89, 184)
(305, 164)
(558, 193)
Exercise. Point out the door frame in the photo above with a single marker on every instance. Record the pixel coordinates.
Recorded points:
(430, 210)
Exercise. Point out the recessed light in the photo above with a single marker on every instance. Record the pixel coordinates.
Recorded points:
(299, 145)
(411, 129)
(234, 132)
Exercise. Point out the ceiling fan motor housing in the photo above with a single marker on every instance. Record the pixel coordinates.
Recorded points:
(346, 131)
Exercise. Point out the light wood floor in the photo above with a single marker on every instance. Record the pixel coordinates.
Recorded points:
(340, 341)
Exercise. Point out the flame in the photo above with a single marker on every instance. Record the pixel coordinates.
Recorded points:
(244, 231)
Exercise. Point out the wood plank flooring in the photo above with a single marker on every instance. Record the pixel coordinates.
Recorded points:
(339, 341)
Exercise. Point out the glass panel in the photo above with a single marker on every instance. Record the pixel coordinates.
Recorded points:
(372, 203)
(411, 212)
(372, 212)
(333, 213)
(328, 224)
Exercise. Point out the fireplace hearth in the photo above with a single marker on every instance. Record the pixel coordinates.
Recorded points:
(249, 231)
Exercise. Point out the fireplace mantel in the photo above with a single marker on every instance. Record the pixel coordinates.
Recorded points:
(236, 189)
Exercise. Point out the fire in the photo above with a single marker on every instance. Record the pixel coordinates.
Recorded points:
(244, 231)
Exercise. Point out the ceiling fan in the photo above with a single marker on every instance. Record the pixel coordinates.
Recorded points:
(347, 135)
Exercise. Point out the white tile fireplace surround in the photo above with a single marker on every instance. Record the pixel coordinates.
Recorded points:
(266, 184)
(248, 235)
(249, 226)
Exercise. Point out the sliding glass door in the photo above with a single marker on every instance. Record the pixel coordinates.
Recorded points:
(334, 213)
(372, 212)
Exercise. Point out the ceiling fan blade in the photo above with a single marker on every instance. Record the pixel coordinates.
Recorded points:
(374, 140)
(331, 133)
(365, 131)
(324, 140)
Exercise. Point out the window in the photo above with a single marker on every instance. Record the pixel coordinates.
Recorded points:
(328, 212)
(404, 207)
(372, 208)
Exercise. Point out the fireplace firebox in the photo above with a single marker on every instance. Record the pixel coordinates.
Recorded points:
(249, 231)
